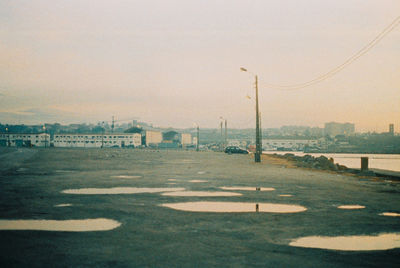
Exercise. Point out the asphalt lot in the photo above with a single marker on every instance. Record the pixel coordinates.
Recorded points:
(151, 235)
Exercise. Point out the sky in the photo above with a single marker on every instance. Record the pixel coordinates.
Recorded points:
(177, 63)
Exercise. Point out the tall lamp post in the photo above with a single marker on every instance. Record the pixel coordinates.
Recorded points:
(8, 137)
(257, 155)
(198, 136)
(224, 140)
(45, 136)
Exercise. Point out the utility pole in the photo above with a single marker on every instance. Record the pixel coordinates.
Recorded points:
(102, 134)
(222, 141)
(8, 137)
(261, 147)
(257, 155)
(226, 132)
(198, 136)
(45, 136)
(112, 125)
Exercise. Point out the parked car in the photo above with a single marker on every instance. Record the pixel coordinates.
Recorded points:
(235, 150)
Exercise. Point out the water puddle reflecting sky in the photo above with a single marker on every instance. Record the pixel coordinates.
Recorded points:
(351, 207)
(119, 190)
(240, 188)
(286, 195)
(63, 205)
(197, 181)
(86, 225)
(390, 214)
(64, 171)
(235, 207)
(126, 177)
(350, 243)
(201, 193)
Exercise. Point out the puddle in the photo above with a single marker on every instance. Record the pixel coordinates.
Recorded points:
(86, 225)
(390, 214)
(63, 205)
(197, 181)
(171, 179)
(119, 190)
(171, 182)
(188, 161)
(234, 207)
(126, 177)
(63, 171)
(285, 195)
(351, 207)
(201, 172)
(200, 193)
(353, 243)
(247, 188)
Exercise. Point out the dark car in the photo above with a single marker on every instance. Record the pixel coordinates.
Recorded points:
(235, 150)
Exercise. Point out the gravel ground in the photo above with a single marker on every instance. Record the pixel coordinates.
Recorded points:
(150, 235)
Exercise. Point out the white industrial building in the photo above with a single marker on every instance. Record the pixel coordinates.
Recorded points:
(153, 137)
(287, 144)
(97, 141)
(25, 140)
(186, 139)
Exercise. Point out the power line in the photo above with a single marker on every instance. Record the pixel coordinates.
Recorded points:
(340, 67)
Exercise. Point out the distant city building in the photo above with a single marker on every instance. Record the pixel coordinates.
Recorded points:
(97, 141)
(287, 144)
(186, 139)
(153, 137)
(25, 140)
(236, 142)
(194, 140)
(333, 128)
(391, 129)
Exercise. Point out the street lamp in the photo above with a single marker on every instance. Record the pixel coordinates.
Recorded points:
(198, 136)
(45, 136)
(224, 141)
(257, 155)
(8, 137)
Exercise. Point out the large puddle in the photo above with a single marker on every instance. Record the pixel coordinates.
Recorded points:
(126, 177)
(390, 214)
(63, 205)
(351, 207)
(286, 195)
(235, 207)
(201, 193)
(247, 188)
(120, 190)
(353, 243)
(197, 181)
(86, 225)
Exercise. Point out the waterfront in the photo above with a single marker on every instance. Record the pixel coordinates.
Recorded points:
(378, 161)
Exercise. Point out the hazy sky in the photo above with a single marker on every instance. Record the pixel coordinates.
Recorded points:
(176, 63)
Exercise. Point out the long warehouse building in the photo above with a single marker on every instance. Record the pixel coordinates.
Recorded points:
(97, 141)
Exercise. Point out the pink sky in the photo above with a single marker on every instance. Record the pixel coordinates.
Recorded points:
(176, 63)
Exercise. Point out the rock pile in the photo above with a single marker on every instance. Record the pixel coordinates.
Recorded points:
(308, 161)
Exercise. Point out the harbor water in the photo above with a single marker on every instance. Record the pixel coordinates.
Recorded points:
(379, 161)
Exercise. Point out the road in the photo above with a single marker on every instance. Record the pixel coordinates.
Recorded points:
(32, 182)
